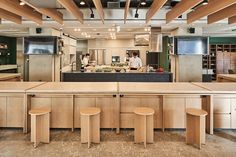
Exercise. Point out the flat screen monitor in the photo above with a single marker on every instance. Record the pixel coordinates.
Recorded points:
(191, 45)
(40, 45)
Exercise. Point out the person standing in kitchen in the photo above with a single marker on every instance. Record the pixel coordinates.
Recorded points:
(135, 62)
(85, 60)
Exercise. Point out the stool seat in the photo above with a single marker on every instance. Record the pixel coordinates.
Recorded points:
(144, 111)
(90, 111)
(38, 112)
(196, 112)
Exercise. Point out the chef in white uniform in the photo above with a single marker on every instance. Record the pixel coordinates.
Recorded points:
(85, 60)
(135, 62)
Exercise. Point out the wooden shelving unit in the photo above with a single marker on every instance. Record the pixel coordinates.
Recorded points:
(222, 57)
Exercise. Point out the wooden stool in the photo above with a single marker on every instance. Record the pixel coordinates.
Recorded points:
(143, 125)
(90, 125)
(195, 126)
(40, 123)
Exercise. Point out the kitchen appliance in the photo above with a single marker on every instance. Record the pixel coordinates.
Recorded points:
(115, 59)
(155, 40)
(152, 59)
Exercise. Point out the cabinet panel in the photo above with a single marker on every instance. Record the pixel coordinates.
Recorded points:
(222, 121)
(41, 102)
(174, 112)
(221, 105)
(3, 111)
(127, 120)
(109, 111)
(62, 112)
(15, 112)
(233, 113)
(128, 104)
(82, 102)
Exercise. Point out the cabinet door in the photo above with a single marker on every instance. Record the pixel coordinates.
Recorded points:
(233, 113)
(62, 112)
(15, 112)
(222, 105)
(109, 111)
(129, 103)
(226, 65)
(222, 121)
(82, 102)
(219, 67)
(41, 102)
(3, 111)
(174, 112)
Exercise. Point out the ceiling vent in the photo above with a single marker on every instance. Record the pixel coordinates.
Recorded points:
(113, 5)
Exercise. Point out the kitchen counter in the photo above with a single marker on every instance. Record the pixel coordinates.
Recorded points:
(117, 77)
(226, 77)
(10, 76)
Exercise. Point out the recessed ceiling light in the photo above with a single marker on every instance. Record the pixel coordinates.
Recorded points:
(82, 2)
(22, 3)
(205, 2)
(143, 2)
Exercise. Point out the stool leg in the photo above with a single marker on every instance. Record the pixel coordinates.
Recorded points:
(89, 132)
(150, 129)
(95, 128)
(44, 129)
(202, 130)
(145, 130)
(138, 129)
(190, 129)
(198, 139)
(34, 136)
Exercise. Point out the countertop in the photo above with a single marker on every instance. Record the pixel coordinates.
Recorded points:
(160, 88)
(230, 77)
(76, 87)
(17, 87)
(7, 67)
(5, 76)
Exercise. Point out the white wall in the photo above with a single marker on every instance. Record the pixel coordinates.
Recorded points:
(117, 48)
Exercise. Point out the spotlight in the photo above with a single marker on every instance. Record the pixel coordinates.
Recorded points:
(92, 15)
(143, 2)
(205, 2)
(22, 3)
(82, 2)
(136, 15)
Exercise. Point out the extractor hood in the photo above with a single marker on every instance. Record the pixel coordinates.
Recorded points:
(155, 44)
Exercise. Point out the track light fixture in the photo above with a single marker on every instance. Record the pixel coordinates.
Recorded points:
(22, 3)
(92, 15)
(143, 2)
(136, 15)
(82, 2)
(205, 2)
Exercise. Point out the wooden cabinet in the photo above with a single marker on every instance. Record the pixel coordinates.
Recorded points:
(3, 111)
(129, 102)
(15, 111)
(222, 121)
(233, 113)
(174, 108)
(61, 109)
(107, 103)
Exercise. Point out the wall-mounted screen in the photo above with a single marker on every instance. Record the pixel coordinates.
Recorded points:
(141, 40)
(191, 45)
(40, 45)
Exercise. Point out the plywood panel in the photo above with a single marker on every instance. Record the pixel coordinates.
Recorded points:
(128, 104)
(15, 111)
(3, 111)
(233, 113)
(41, 102)
(174, 112)
(127, 120)
(109, 111)
(82, 102)
(62, 112)
(222, 121)
(221, 105)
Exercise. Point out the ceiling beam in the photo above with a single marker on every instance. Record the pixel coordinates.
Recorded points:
(210, 8)
(10, 16)
(232, 20)
(222, 14)
(72, 8)
(24, 11)
(53, 13)
(99, 8)
(156, 5)
(180, 8)
(127, 4)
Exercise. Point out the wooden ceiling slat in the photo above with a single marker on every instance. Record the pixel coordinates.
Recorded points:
(222, 14)
(156, 5)
(53, 13)
(180, 8)
(10, 16)
(127, 4)
(24, 11)
(72, 8)
(99, 8)
(232, 20)
(205, 10)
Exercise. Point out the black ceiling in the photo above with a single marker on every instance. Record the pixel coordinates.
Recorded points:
(133, 3)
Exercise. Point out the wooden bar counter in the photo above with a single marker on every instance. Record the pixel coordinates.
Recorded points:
(117, 102)
(226, 78)
(10, 77)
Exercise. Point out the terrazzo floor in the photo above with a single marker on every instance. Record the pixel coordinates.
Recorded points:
(64, 143)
